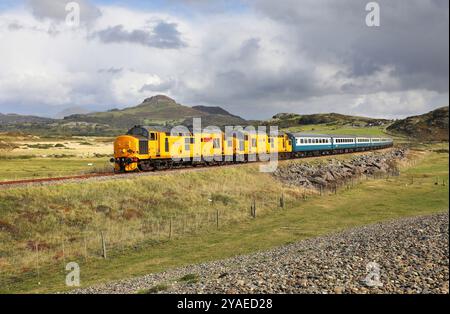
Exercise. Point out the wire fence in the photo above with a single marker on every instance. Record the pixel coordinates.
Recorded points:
(111, 240)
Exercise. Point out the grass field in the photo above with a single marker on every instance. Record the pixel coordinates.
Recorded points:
(25, 156)
(28, 156)
(137, 214)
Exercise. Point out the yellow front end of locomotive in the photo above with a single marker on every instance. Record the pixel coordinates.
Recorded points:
(126, 149)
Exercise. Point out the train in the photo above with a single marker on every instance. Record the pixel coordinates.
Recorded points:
(150, 148)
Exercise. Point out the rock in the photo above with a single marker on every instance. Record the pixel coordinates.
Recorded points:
(336, 263)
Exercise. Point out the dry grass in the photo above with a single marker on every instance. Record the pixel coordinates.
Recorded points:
(128, 211)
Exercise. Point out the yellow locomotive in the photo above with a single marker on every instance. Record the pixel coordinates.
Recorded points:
(146, 148)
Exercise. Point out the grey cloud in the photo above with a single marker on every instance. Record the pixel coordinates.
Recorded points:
(412, 42)
(164, 35)
(56, 10)
(111, 70)
(15, 26)
(413, 36)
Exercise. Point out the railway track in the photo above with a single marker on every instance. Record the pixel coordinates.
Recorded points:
(100, 176)
(55, 179)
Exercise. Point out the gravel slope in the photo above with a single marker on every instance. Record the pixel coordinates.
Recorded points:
(411, 253)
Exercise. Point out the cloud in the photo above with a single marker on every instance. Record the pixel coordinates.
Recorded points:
(163, 86)
(56, 10)
(111, 70)
(413, 36)
(164, 35)
(313, 56)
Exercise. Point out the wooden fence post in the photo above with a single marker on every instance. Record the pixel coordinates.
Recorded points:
(253, 208)
(282, 200)
(217, 218)
(85, 247)
(37, 262)
(103, 245)
(63, 250)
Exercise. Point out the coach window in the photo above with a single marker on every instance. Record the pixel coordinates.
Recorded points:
(187, 142)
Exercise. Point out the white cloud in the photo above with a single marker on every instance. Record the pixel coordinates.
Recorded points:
(251, 63)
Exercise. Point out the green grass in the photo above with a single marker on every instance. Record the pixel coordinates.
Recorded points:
(155, 289)
(189, 278)
(27, 167)
(367, 202)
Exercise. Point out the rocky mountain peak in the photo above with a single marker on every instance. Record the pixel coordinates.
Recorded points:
(158, 99)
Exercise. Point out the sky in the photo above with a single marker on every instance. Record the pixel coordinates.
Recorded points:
(254, 58)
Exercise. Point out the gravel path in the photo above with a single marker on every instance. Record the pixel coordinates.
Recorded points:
(408, 255)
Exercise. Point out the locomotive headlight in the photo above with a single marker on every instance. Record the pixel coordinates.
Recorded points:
(124, 150)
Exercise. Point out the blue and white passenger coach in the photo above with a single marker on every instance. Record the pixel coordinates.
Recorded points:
(304, 144)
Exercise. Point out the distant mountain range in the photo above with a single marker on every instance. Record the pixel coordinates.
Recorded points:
(431, 126)
(159, 110)
(13, 119)
(163, 111)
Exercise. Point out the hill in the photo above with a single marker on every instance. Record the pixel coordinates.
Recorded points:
(159, 110)
(287, 120)
(432, 126)
(12, 119)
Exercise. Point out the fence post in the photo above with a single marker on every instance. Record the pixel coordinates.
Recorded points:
(63, 250)
(103, 245)
(253, 208)
(282, 200)
(85, 247)
(217, 218)
(37, 262)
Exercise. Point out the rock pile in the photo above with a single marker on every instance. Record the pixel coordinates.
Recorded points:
(335, 171)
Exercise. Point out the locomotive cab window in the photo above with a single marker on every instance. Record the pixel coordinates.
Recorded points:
(138, 131)
(152, 136)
